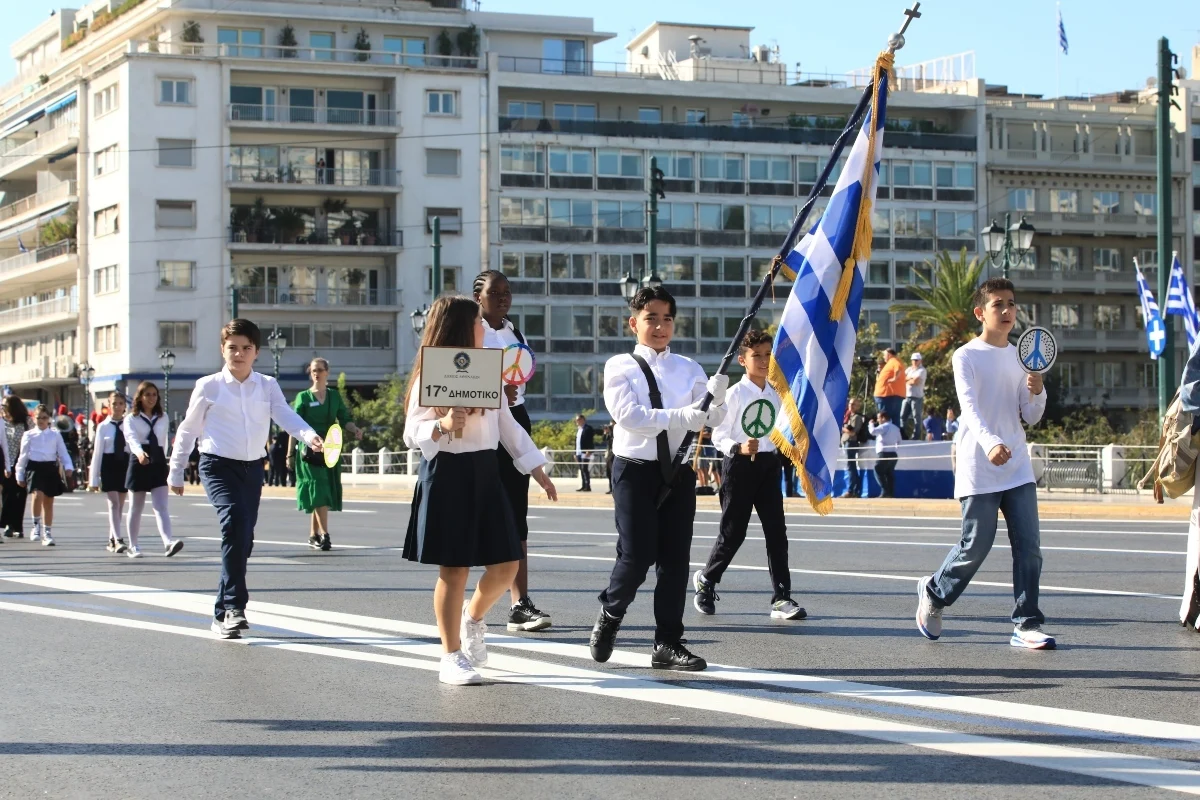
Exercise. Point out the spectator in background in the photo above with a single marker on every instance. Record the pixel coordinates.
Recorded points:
(887, 438)
(951, 425)
(914, 398)
(854, 436)
(585, 442)
(607, 437)
(933, 428)
(890, 386)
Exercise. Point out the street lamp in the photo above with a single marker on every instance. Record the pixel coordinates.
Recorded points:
(630, 285)
(166, 359)
(417, 317)
(277, 343)
(1007, 246)
(86, 373)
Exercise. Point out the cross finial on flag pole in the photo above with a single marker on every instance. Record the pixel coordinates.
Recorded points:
(896, 40)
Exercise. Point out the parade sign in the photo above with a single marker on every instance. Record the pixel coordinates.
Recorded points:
(1037, 350)
(333, 446)
(461, 377)
(758, 419)
(518, 364)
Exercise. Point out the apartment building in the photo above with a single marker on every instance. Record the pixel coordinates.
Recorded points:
(164, 166)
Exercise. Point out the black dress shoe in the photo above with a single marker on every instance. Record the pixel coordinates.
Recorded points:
(673, 655)
(326, 545)
(604, 636)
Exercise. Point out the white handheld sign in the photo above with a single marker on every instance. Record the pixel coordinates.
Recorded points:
(460, 377)
(1037, 349)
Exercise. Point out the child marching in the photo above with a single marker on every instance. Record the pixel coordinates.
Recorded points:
(230, 415)
(654, 397)
(461, 515)
(42, 452)
(753, 481)
(110, 463)
(146, 432)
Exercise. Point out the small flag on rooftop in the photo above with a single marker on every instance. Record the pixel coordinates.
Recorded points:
(1062, 33)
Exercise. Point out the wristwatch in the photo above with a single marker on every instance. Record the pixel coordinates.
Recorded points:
(437, 426)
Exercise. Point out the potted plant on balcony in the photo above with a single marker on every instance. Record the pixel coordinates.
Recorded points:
(445, 48)
(260, 216)
(59, 229)
(191, 35)
(362, 43)
(329, 207)
(289, 222)
(468, 43)
(287, 41)
(348, 233)
(239, 223)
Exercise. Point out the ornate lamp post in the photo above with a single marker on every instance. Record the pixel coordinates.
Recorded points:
(86, 373)
(1007, 246)
(166, 359)
(417, 317)
(277, 343)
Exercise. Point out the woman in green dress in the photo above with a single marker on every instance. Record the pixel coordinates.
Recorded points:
(318, 488)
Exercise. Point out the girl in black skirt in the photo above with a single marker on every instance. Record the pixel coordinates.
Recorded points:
(110, 462)
(461, 516)
(42, 450)
(12, 511)
(146, 433)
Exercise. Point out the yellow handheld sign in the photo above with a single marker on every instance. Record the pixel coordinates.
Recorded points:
(333, 446)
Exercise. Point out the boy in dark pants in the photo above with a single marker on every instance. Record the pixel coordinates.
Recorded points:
(230, 414)
(753, 474)
(654, 398)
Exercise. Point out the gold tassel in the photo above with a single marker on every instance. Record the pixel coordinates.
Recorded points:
(796, 453)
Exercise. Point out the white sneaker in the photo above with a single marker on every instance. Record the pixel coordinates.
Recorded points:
(787, 608)
(134, 552)
(1032, 639)
(929, 616)
(47, 541)
(174, 547)
(35, 534)
(471, 633)
(457, 670)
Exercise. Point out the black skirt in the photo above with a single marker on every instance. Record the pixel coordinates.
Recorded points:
(147, 477)
(460, 515)
(43, 476)
(114, 468)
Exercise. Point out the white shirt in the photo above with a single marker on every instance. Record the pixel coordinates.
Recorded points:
(482, 432)
(887, 437)
(915, 389)
(43, 445)
(500, 339)
(105, 444)
(137, 429)
(730, 432)
(232, 419)
(681, 381)
(994, 399)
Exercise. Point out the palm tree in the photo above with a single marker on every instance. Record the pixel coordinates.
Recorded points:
(948, 305)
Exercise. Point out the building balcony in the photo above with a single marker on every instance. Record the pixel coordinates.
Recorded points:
(307, 179)
(1086, 281)
(22, 161)
(305, 59)
(1101, 341)
(1057, 222)
(770, 134)
(37, 204)
(360, 242)
(244, 115)
(36, 315)
(40, 370)
(1092, 162)
(56, 262)
(331, 299)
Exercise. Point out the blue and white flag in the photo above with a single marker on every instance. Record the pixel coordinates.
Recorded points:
(21, 248)
(1156, 331)
(1062, 33)
(813, 352)
(1180, 300)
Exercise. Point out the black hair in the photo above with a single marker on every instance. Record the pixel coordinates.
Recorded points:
(482, 278)
(242, 327)
(648, 295)
(754, 338)
(886, 415)
(991, 286)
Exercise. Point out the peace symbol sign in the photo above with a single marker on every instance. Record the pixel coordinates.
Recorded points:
(517, 364)
(758, 419)
(1037, 349)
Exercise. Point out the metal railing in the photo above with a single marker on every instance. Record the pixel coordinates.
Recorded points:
(16, 317)
(37, 256)
(308, 55)
(27, 204)
(360, 237)
(293, 115)
(274, 296)
(39, 146)
(314, 176)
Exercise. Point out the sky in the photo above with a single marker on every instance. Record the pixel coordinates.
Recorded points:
(1112, 43)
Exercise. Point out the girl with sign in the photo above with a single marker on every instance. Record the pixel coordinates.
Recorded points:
(110, 464)
(146, 433)
(318, 487)
(494, 295)
(461, 516)
(753, 482)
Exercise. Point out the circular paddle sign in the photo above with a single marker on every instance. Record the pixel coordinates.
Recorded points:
(517, 364)
(1037, 350)
(758, 419)
(333, 446)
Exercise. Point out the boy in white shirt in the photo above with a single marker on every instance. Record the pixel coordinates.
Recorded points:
(887, 439)
(993, 472)
(230, 413)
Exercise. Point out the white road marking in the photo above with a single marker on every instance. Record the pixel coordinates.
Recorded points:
(956, 530)
(1139, 770)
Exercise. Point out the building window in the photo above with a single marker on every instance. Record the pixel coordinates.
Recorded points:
(240, 42)
(575, 111)
(1064, 201)
(108, 160)
(955, 224)
(564, 56)
(529, 212)
(564, 161)
(1148, 259)
(175, 214)
(695, 116)
(1110, 374)
(741, 119)
(322, 44)
(771, 219)
(1107, 317)
(723, 270)
(1063, 315)
(1027, 313)
(775, 169)
(441, 104)
(1068, 375)
(106, 100)
(409, 52)
(441, 162)
(571, 267)
(806, 171)
(1145, 204)
(449, 279)
(677, 216)
(681, 166)
(623, 163)
(176, 274)
(524, 158)
(1148, 375)
(175, 91)
(650, 114)
(620, 214)
(1064, 259)
(571, 213)
(106, 221)
(106, 339)
(714, 217)
(1018, 199)
(614, 266)
(1106, 259)
(450, 219)
(175, 334)
(722, 167)
(525, 109)
(1106, 202)
(572, 322)
(107, 280)
(530, 266)
(176, 152)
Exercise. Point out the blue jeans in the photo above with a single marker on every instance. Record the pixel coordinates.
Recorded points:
(912, 408)
(979, 518)
(234, 488)
(853, 475)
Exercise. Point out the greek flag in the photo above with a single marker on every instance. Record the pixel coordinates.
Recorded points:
(21, 248)
(1180, 300)
(813, 352)
(1062, 33)
(1156, 331)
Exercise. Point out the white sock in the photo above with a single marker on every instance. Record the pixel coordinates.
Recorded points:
(37, 523)
(46, 530)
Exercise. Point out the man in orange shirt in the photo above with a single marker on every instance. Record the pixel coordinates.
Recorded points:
(890, 385)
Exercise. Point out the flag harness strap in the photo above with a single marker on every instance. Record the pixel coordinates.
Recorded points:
(665, 463)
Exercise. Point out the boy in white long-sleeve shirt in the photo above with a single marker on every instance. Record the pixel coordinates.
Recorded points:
(993, 471)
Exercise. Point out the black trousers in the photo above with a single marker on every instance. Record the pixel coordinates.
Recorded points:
(12, 514)
(647, 535)
(885, 473)
(279, 469)
(752, 485)
(516, 484)
(234, 489)
(585, 469)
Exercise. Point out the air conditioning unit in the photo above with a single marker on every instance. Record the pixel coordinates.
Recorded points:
(762, 54)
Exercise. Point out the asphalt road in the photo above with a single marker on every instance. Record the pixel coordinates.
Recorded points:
(115, 688)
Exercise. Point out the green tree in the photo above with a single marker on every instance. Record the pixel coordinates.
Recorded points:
(557, 435)
(947, 308)
(381, 415)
